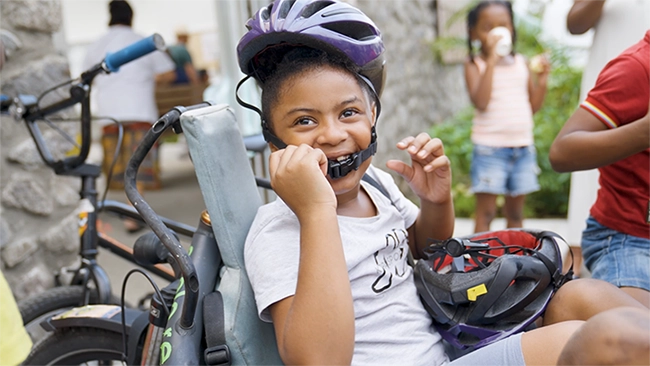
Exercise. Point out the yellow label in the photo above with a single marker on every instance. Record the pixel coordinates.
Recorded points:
(90, 311)
(74, 151)
(83, 222)
(476, 291)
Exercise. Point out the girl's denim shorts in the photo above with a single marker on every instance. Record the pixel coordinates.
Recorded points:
(510, 171)
(620, 259)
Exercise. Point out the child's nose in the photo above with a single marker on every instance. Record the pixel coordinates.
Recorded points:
(332, 133)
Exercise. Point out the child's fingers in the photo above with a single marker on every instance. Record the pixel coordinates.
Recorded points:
(278, 160)
(433, 147)
(400, 168)
(416, 143)
(405, 143)
(440, 163)
(321, 158)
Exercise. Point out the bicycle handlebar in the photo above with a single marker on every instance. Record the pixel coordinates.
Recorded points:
(187, 269)
(30, 112)
(113, 61)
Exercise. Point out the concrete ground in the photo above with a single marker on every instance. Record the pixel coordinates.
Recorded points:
(180, 199)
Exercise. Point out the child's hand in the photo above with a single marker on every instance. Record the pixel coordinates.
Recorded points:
(490, 46)
(298, 176)
(541, 67)
(429, 175)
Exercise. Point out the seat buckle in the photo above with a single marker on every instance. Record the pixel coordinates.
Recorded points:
(217, 356)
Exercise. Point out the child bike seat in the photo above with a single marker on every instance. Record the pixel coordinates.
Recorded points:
(232, 199)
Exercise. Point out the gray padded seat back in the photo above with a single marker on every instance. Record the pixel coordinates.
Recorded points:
(232, 199)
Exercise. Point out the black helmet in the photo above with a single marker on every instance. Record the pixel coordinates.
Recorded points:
(485, 287)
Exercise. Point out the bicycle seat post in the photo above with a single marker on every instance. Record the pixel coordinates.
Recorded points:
(88, 228)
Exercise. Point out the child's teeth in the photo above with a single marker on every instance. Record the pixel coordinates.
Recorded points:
(341, 158)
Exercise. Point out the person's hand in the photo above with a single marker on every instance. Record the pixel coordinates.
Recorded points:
(540, 66)
(429, 174)
(489, 47)
(298, 176)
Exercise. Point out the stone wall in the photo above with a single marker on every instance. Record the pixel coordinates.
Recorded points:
(37, 221)
(419, 92)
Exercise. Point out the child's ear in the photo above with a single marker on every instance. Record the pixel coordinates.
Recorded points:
(373, 108)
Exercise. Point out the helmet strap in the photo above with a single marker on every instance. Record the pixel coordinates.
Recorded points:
(335, 169)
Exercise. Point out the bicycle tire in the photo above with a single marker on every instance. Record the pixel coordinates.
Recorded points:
(50, 302)
(75, 346)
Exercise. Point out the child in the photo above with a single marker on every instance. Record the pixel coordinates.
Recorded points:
(328, 259)
(611, 131)
(505, 94)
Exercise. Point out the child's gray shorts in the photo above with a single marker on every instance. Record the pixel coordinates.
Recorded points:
(506, 352)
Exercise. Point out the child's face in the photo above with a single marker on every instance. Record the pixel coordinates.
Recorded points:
(326, 108)
(490, 17)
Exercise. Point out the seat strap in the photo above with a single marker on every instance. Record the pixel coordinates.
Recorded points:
(217, 352)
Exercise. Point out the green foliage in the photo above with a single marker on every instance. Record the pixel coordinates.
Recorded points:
(560, 102)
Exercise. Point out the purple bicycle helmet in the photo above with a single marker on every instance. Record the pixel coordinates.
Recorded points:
(328, 25)
(485, 287)
(334, 27)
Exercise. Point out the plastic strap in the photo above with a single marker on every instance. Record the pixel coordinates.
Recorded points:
(217, 352)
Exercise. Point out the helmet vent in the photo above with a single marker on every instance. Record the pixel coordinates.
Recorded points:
(354, 30)
(314, 8)
(265, 12)
(284, 9)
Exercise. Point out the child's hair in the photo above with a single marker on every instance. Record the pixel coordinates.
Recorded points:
(290, 60)
(472, 19)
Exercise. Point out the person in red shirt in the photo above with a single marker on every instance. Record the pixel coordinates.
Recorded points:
(611, 131)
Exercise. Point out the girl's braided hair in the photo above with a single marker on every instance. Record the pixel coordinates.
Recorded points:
(472, 19)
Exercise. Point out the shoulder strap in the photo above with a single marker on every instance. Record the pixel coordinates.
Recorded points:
(370, 180)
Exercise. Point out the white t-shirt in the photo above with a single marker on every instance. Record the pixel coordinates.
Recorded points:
(129, 93)
(392, 327)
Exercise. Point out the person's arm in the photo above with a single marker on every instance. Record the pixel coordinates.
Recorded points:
(163, 68)
(191, 73)
(584, 142)
(166, 77)
(537, 84)
(429, 176)
(479, 86)
(316, 325)
(584, 14)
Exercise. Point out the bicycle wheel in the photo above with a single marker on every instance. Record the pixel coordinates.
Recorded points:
(76, 346)
(55, 300)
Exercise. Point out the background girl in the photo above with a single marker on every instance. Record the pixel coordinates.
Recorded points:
(505, 94)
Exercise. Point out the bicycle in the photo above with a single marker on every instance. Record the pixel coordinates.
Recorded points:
(89, 282)
(95, 332)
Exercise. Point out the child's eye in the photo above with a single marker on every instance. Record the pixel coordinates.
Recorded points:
(348, 113)
(304, 122)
